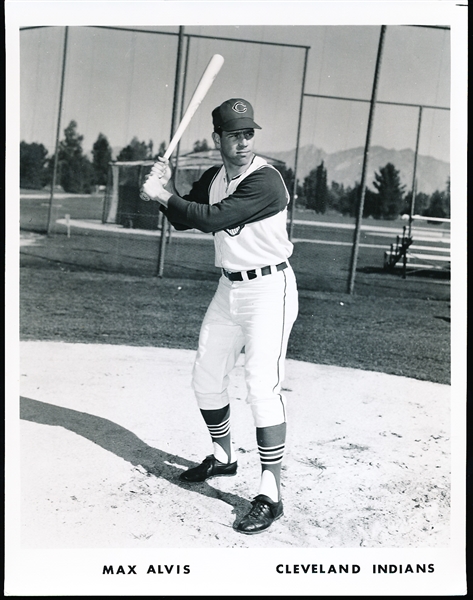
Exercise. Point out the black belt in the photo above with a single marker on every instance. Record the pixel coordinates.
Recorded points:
(253, 273)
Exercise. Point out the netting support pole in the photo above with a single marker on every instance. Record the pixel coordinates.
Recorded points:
(356, 238)
(296, 157)
(58, 132)
(181, 112)
(414, 189)
(414, 173)
(174, 120)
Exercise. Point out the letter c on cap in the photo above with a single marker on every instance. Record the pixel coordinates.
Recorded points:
(239, 107)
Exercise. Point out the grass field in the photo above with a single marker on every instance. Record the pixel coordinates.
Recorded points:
(321, 256)
(100, 287)
(409, 337)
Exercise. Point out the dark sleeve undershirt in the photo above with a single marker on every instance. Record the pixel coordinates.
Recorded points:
(260, 195)
(199, 193)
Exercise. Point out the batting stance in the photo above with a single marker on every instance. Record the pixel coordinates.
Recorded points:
(244, 204)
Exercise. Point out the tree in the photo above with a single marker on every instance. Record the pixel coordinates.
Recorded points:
(421, 203)
(321, 189)
(388, 201)
(102, 155)
(75, 171)
(439, 205)
(308, 189)
(33, 163)
(288, 176)
(349, 200)
(136, 150)
(315, 189)
(335, 194)
(161, 150)
(201, 146)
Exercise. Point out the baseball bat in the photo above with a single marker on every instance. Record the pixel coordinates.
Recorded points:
(207, 79)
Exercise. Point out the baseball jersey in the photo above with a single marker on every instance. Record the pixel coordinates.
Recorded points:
(246, 214)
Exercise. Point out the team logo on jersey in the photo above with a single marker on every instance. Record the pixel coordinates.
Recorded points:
(235, 231)
(239, 107)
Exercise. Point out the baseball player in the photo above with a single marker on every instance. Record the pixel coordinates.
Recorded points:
(244, 204)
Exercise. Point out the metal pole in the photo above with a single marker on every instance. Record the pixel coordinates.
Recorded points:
(296, 157)
(181, 113)
(58, 131)
(177, 79)
(356, 238)
(183, 93)
(414, 173)
(351, 98)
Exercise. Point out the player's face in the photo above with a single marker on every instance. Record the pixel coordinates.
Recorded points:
(236, 146)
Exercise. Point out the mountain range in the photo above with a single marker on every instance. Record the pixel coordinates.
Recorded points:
(345, 166)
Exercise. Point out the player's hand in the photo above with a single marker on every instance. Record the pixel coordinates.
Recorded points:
(155, 182)
(161, 170)
(153, 187)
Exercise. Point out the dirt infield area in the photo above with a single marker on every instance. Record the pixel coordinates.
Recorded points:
(106, 430)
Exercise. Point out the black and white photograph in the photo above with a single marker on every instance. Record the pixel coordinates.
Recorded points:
(236, 298)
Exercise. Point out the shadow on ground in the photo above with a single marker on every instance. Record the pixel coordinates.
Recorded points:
(124, 444)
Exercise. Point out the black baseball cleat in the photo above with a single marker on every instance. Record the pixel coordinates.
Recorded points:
(262, 514)
(210, 467)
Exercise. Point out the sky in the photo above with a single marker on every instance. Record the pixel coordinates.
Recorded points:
(121, 84)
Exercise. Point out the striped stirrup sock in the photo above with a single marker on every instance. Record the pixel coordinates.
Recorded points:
(271, 446)
(219, 431)
(218, 424)
(271, 455)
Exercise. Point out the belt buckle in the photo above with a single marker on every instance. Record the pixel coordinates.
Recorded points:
(232, 275)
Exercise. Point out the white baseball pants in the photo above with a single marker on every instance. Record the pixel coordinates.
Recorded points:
(257, 315)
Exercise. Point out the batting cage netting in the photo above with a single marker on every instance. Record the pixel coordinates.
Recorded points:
(99, 104)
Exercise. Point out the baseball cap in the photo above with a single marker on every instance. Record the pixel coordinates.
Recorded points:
(234, 114)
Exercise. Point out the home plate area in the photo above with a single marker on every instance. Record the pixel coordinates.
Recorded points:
(106, 430)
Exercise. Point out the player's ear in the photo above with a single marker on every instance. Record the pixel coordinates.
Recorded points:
(216, 139)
